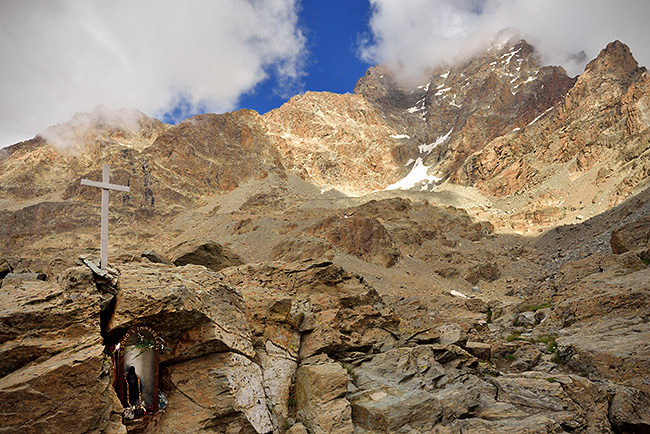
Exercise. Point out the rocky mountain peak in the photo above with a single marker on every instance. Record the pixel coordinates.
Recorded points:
(484, 98)
(117, 126)
(615, 60)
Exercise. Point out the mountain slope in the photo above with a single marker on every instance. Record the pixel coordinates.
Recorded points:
(356, 309)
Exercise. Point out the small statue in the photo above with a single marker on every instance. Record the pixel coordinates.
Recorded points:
(133, 389)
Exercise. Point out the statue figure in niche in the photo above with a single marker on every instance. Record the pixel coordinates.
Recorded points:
(137, 368)
(133, 388)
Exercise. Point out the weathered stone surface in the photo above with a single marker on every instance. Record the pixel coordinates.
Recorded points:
(479, 349)
(424, 367)
(632, 236)
(391, 410)
(206, 253)
(630, 410)
(302, 250)
(215, 400)
(605, 329)
(26, 276)
(452, 334)
(155, 257)
(189, 304)
(321, 386)
(40, 319)
(278, 369)
(298, 428)
(246, 380)
(488, 271)
(461, 398)
(52, 360)
(526, 319)
(364, 237)
(309, 308)
(533, 391)
(46, 396)
(536, 424)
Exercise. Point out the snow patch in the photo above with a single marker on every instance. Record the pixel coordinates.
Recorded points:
(415, 108)
(538, 117)
(441, 91)
(509, 56)
(430, 147)
(445, 75)
(418, 174)
(457, 294)
(400, 136)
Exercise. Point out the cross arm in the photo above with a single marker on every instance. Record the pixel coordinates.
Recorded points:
(104, 185)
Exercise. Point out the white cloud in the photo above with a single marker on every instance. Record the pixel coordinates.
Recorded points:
(65, 56)
(414, 34)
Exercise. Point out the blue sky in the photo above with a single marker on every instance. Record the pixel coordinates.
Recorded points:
(172, 59)
(332, 30)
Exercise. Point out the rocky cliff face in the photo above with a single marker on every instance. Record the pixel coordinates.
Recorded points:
(294, 295)
(463, 108)
(337, 141)
(595, 137)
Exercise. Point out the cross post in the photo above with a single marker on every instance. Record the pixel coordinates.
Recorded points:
(105, 185)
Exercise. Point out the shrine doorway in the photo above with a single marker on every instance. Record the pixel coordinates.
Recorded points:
(139, 348)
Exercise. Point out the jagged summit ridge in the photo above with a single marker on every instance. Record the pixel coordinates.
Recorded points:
(477, 124)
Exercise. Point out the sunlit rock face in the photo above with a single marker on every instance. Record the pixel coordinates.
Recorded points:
(339, 141)
(460, 109)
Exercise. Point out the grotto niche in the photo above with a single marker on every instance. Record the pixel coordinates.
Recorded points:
(138, 355)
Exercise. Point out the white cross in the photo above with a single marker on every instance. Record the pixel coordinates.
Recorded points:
(105, 186)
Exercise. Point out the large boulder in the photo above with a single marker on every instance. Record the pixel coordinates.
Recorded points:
(392, 410)
(630, 410)
(216, 390)
(55, 376)
(311, 308)
(631, 236)
(605, 332)
(363, 237)
(204, 252)
(188, 306)
(321, 387)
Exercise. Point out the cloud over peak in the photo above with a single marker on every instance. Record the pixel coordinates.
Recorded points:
(71, 55)
(417, 34)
